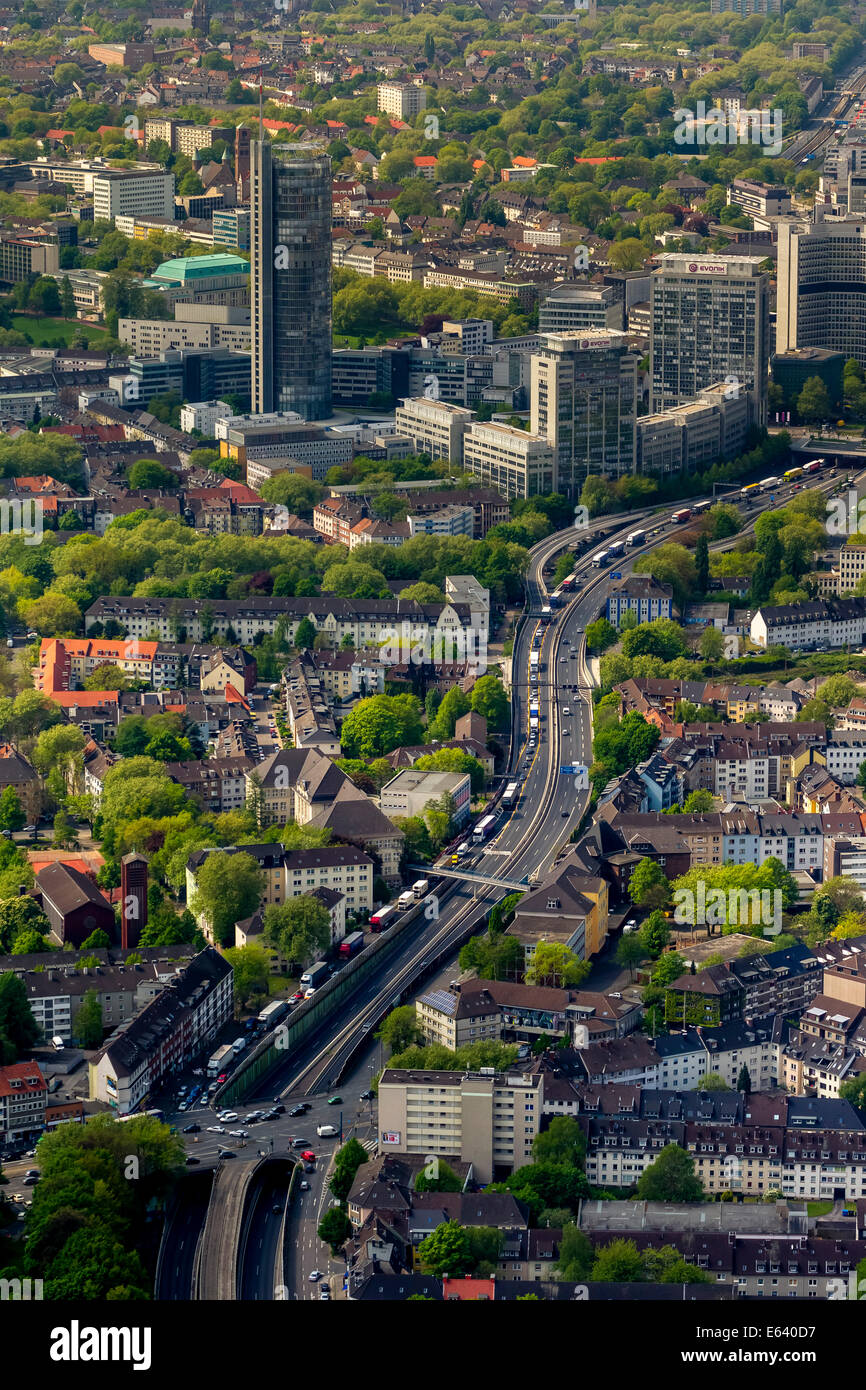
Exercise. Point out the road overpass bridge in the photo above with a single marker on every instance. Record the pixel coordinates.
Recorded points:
(483, 880)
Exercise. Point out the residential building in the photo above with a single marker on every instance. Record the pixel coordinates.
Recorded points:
(23, 1093)
(479, 1010)
(812, 624)
(488, 1120)
(641, 595)
(402, 100)
(165, 1035)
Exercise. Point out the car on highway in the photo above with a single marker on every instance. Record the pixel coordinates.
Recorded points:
(30, 1181)
(277, 1209)
(216, 1129)
(228, 1116)
(223, 1076)
(191, 1129)
(367, 1095)
(309, 1167)
(564, 814)
(297, 996)
(305, 1186)
(191, 1161)
(315, 1276)
(336, 1100)
(279, 1108)
(301, 1108)
(308, 1156)
(226, 1153)
(239, 1134)
(324, 1294)
(299, 1143)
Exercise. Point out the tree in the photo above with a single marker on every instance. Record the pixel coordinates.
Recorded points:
(854, 1091)
(305, 635)
(88, 1021)
(699, 801)
(600, 635)
(630, 953)
(447, 1251)
(649, 885)
(148, 473)
(670, 1178)
(654, 933)
(744, 1081)
(12, 817)
(712, 644)
(18, 915)
(576, 1255)
(400, 1029)
(106, 677)
(489, 699)
(299, 929)
(64, 835)
(813, 403)
(438, 1177)
(346, 1164)
(97, 940)
(711, 1081)
(562, 1142)
(554, 964)
(28, 943)
(18, 1028)
(251, 968)
(702, 563)
(67, 298)
(383, 722)
(229, 887)
(334, 1229)
(620, 1262)
(453, 706)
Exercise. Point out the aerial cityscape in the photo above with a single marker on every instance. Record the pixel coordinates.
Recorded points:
(432, 658)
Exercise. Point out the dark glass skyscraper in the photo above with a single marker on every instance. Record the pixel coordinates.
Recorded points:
(290, 238)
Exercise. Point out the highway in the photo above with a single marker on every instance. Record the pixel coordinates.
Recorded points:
(550, 806)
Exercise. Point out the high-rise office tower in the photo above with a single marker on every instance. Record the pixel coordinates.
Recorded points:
(290, 273)
(710, 323)
(133, 899)
(584, 403)
(821, 286)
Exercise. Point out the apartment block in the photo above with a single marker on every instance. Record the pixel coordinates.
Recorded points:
(165, 1035)
(127, 192)
(487, 1119)
(23, 1093)
(402, 100)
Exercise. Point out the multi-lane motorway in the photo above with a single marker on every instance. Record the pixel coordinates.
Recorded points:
(550, 806)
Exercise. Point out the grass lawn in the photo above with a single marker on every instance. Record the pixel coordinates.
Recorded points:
(57, 332)
(819, 1208)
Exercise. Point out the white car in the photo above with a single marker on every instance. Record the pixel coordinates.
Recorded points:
(228, 1116)
(316, 1276)
(238, 1134)
(216, 1129)
(629, 927)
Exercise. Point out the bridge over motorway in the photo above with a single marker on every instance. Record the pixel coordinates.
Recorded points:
(216, 1273)
(483, 880)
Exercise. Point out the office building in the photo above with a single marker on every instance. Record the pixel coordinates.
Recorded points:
(572, 308)
(290, 232)
(584, 404)
(746, 7)
(231, 227)
(791, 370)
(821, 293)
(435, 427)
(694, 436)
(21, 257)
(118, 192)
(517, 464)
(710, 324)
(402, 100)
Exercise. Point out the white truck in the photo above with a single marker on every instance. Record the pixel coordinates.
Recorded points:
(220, 1060)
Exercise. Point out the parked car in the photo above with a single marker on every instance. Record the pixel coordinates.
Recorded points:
(228, 1116)
(191, 1129)
(226, 1153)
